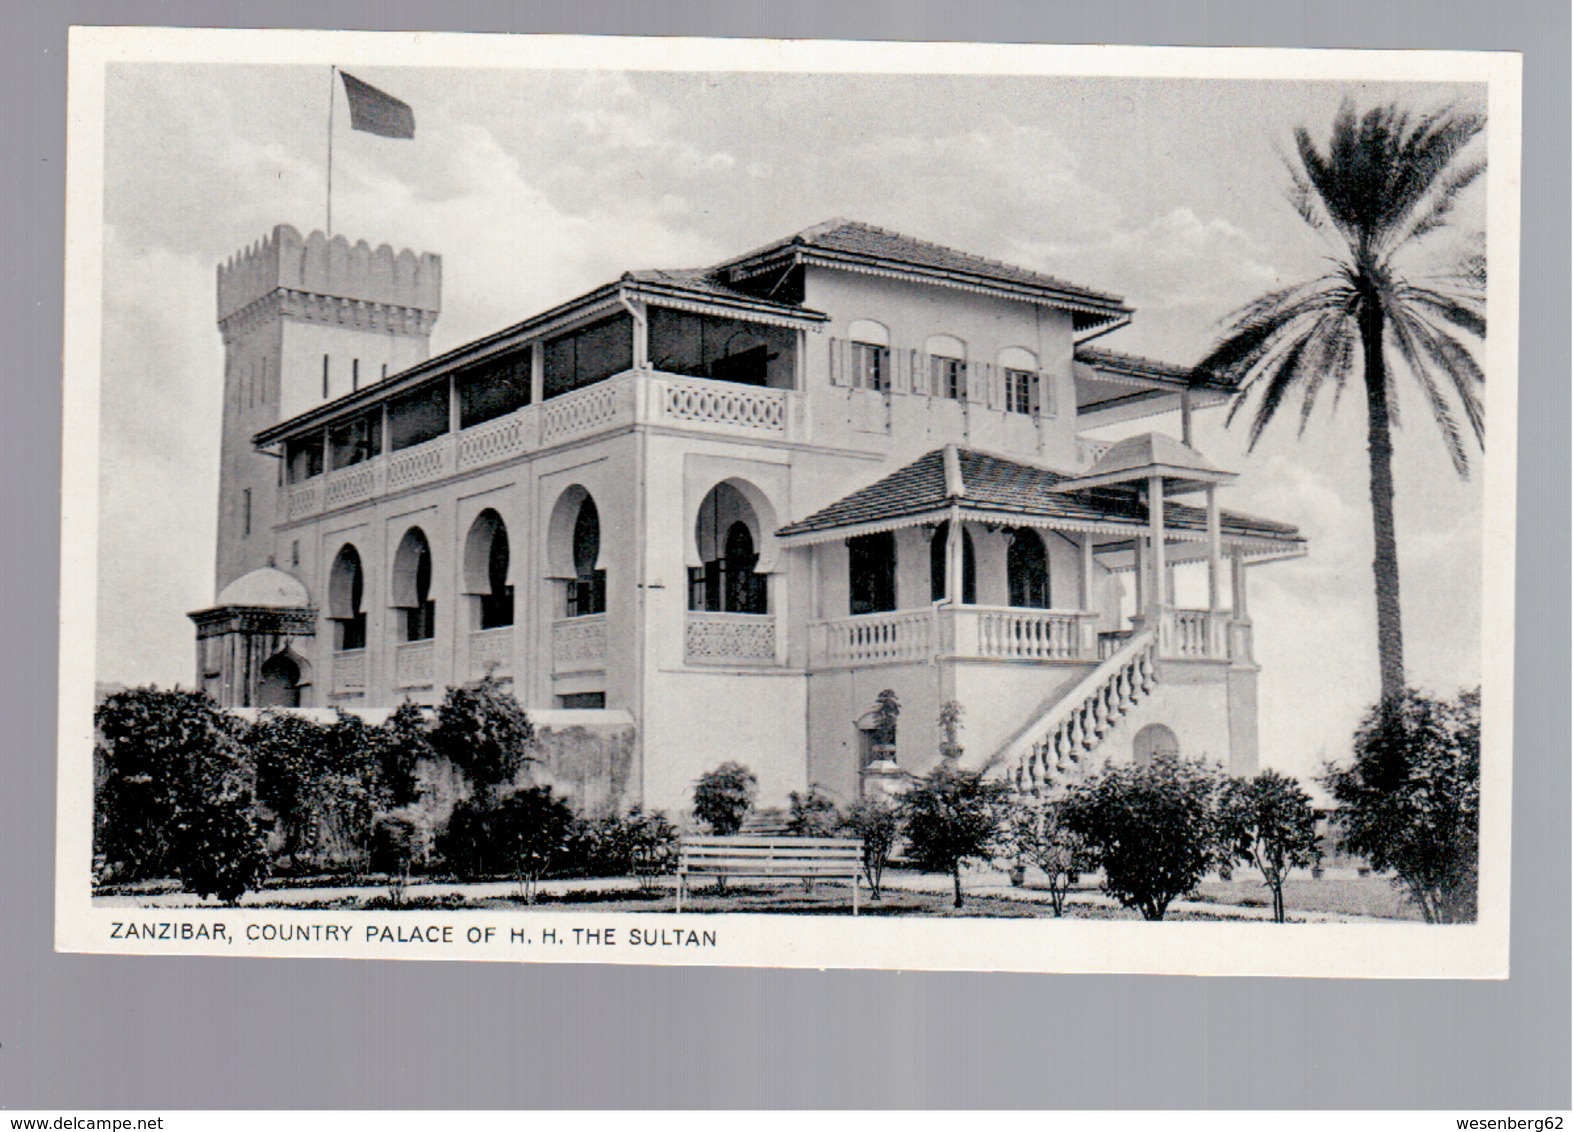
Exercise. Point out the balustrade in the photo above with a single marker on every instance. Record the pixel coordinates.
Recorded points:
(579, 643)
(746, 407)
(413, 665)
(491, 652)
(1028, 634)
(349, 670)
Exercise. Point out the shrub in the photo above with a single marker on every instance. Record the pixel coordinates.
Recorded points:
(531, 830)
(637, 844)
(813, 814)
(877, 822)
(284, 749)
(393, 847)
(1039, 835)
(1154, 830)
(1268, 822)
(1410, 801)
(404, 744)
(176, 799)
(723, 797)
(952, 816)
(484, 732)
(466, 843)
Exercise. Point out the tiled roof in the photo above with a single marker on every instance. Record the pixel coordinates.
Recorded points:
(702, 282)
(1134, 365)
(865, 241)
(993, 483)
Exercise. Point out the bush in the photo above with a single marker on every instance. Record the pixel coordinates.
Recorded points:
(636, 844)
(404, 744)
(393, 846)
(466, 843)
(484, 732)
(723, 797)
(813, 814)
(1039, 835)
(176, 799)
(877, 822)
(531, 830)
(952, 816)
(1154, 830)
(1268, 822)
(1410, 801)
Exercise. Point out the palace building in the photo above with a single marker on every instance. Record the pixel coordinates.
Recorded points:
(720, 511)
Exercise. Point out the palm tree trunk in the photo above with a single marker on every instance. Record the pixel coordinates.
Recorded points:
(1379, 444)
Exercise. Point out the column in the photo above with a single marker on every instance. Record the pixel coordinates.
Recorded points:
(1237, 564)
(537, 371)
(1139, 551)
(1085, 593)
(641, 358)
(1155, 533)
(1214, 549)
(953, 565)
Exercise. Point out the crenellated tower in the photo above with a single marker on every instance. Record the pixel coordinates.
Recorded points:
(305, 320)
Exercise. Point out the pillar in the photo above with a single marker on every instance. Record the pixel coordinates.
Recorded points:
(1214, 549)
(1155, 533)
(1085, 592)
(1237, 564)
(953, 564)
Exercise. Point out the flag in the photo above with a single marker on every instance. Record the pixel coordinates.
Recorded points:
(376, 111)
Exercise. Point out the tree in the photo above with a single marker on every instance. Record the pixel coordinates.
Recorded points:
(1038, 834)
(1153, 829)
(531, 829)
(952, 815)
(484, 732)
(723, 797)
(813, 814)
(405, 744)
(1269, 822)
(876, 822)
(284, 749)
(218, 849)
(1410, 801)
(1384, 184)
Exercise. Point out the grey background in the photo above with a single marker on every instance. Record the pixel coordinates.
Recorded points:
(82, 1032)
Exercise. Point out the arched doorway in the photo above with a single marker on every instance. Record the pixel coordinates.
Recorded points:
(346, 600)
(412, 582)
(279, 685)
(587, 590)
(1027, 569)
(1153, 740)
(487, 561)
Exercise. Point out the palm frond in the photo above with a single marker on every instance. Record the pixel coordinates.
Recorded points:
(1402, 327)
(1442, 203)
(1330, 335)
(1280, 380)
(1467, 312)
(1454, 360)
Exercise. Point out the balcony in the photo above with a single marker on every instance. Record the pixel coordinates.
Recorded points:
(970, 632)
(729, 639)
(691, 404)
(491, 653)
(413, 665)
(579, 644)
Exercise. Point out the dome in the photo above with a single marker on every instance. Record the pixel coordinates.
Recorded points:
(265, 587)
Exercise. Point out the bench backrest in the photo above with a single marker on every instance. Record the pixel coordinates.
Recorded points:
(771, 856)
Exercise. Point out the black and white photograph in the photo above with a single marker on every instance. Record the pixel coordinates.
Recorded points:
(789, 504)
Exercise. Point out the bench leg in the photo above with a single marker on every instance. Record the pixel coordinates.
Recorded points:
(856, 885)
(679, 892)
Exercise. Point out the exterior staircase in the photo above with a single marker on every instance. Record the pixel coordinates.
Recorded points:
(1058, 745)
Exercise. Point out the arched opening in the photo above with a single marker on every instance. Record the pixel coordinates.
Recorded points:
(969, 565)
(412, 578)
(587, 588)
(279, 685)
(724, 531)
(871, 573)
(1027, 569)
(1153, 740)
(346, 600)
(487, 575)
(1020, 370)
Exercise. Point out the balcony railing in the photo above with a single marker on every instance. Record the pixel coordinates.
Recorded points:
(491, 652)
(972, 632)
(349, 671)
(729, 638)
(694, 403)
(412, 665)
(579, 644)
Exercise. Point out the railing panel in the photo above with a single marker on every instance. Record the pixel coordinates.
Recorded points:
(297, 501)
(423, 463)
(579, 643)
(747, 407)
(496, 440)
(1028, 634)
(1193, 634)
(349, 670)
(881, 638)
(354, 484)
(584, 411)
(413, 665)
(491, 651)
(729, 638)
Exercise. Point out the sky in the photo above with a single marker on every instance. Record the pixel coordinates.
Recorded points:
(536, 186)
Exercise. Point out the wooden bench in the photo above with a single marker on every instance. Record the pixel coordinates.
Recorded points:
(771, 858)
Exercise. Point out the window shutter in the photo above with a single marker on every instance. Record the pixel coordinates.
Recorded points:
(838, 363)
(1045, 399)
(975, 379)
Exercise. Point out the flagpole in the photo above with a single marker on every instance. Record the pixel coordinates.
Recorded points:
(333, 71)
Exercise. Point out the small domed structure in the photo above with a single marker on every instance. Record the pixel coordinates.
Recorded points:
(265, 587)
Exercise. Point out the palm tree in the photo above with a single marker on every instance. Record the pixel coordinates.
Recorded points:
(1383, 185)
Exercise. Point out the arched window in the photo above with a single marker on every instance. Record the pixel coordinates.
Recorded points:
(969, 565)
(412, 577)
(486, 562)
(1153, 740)
(871, 573)
(724, 533)
(947, 367)
(587, 589)
(1027, 569)
(870, 361)
(1020, 369)
(346, 600)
